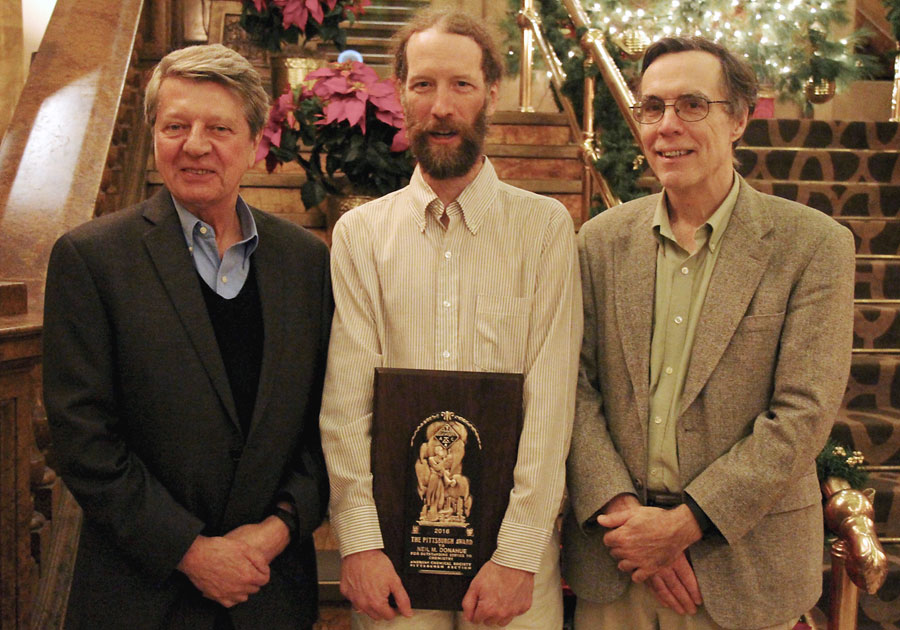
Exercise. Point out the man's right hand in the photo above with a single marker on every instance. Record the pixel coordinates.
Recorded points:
(368, 579)
(225, 570)
(675, 587)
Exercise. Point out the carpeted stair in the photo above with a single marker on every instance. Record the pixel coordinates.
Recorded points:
(851, 170)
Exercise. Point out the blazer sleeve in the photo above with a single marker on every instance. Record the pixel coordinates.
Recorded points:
(770, 470)
(306, 484)
(595, 471)
(112, 485)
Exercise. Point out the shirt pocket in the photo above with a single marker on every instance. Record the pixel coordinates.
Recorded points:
(501, 333)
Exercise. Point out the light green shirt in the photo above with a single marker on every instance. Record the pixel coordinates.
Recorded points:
(681, 283)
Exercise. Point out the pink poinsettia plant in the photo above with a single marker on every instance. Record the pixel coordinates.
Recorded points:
(273, 22)
(345, 128)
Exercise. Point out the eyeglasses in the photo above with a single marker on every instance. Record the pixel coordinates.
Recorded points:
(688, 107)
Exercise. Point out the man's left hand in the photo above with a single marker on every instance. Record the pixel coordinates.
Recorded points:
(497, 594)
(646, 539)
(270, 536)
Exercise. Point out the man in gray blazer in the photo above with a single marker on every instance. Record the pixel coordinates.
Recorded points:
(718, 327)
(184, 355)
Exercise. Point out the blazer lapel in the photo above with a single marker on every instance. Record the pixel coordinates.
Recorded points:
(635, 282)
(742, 260)
(165, 243)
(272, 293)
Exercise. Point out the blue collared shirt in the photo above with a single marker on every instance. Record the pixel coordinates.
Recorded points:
(226, 276)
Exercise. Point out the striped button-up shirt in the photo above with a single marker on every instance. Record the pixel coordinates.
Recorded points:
(497, 290)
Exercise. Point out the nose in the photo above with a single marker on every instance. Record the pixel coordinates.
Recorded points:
(670, 121)
(442, 105)
(196, 142)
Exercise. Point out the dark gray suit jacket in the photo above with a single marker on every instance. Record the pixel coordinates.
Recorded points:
(768, 369)
(145, 428)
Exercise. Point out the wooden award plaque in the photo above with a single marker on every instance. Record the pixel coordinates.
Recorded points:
(444, 446)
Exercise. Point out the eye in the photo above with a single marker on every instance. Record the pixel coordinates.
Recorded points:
(652, 107)
(691, 103)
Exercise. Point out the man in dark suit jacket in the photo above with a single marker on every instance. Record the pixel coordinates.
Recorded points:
(184, 353)
(717, 337)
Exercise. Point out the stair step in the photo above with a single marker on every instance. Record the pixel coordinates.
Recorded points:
(373, 28)
(879, 237)
(832, 165)
(876, 327)
(887, 502)
(858, 199)
(869, 418)
(822, 134)
(877, 279)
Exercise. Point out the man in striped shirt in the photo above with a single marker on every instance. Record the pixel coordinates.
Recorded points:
(457, 271)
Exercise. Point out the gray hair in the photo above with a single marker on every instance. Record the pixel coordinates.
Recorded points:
(216, 63)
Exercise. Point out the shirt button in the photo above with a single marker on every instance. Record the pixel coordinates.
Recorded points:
(203, 230)
(657, 420)
(225, 279)
(712, 247)
(447, 303)
(669, 370)
(678, 319)
(191, 249)
(685, 271)
(447, 255)
(445, 354)
(654, 472)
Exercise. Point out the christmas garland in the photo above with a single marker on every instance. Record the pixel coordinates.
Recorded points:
(619, 151)
(834, 461)
(893, 16)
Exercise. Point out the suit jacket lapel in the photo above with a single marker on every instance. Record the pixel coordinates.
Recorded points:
(165, 243)
(635, 282)
(272, 296)
(742, 260)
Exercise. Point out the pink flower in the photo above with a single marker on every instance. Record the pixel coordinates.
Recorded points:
(282, 110)
(346, 88)
(359, 6)
(260, 5)
(298, 12)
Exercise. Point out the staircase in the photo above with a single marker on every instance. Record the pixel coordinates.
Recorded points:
(851, 171)
(371, 34)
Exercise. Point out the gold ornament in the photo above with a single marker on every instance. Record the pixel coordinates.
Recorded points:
(819, 92)
(633, 43)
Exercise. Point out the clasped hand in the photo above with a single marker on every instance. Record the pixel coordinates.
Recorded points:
(228, 569)
(649, 542)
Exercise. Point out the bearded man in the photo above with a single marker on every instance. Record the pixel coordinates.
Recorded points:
(457, 271)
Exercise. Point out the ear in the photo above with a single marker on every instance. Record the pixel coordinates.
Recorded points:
(251, 159)
(739, 125)
(493, 97)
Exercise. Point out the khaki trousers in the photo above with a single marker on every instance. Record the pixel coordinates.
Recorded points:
(638, 609)
(546, 612)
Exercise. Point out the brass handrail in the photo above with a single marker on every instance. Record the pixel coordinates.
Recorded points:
(593, 44)
(857, 557)
(530, 23)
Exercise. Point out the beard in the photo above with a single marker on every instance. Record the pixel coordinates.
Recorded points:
(447, 162)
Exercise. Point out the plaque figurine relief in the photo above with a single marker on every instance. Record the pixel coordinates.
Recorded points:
(441, 537)
(444, 446)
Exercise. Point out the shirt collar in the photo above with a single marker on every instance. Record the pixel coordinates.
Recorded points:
(190, 223)
(717, 222)
(475, 200)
